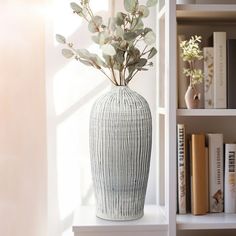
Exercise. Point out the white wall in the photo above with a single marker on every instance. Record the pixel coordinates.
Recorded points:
(23, 164)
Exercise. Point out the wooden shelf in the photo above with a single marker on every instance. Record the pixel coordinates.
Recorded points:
(206, 112)
(209, 221)
(154, 219)
(207, 12)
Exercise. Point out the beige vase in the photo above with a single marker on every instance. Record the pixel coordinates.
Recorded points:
(192, 97)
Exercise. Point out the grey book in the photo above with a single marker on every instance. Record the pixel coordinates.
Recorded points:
(231, 73)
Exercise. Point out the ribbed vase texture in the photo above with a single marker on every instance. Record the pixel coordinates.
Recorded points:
(120, 150)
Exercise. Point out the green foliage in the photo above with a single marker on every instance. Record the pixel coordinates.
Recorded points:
(131, 5)
(125, 43)
(191, 53)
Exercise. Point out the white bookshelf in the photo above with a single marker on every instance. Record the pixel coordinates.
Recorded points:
(210, 221)
(204, 20)
(206, 112)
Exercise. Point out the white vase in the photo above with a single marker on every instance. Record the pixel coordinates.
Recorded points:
(120, 149)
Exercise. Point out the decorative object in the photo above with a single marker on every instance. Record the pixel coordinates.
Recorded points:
(191, 53)
(120, 121)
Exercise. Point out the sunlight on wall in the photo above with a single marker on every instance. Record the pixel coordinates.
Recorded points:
(74, 89)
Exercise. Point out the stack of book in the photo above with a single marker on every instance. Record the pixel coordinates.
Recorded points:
(206, 173)
(218, 87)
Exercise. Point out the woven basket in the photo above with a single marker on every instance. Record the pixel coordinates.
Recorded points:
(120, 149)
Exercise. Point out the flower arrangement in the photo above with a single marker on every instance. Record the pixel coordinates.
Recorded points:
(126, 44)
(191, 53)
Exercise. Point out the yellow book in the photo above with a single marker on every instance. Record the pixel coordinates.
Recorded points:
(199, 175)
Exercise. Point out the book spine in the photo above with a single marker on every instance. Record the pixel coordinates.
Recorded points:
(199, 185)
(208, 54)
(181, 146)
(231, 72)
(219, 40)
(182, 79)
(230, 178)
(216, 193)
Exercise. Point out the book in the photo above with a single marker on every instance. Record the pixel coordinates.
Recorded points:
(181, 168)
(219, 42)
(231, 73)
(199, 183)
(216, 191)
(230, 178)
(208, 56)
(183, 81)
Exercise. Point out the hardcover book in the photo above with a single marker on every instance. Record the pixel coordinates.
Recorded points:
(216, 192)
(199, 175)
(219, 42)
(181, 164)
(208, 54)
(230, 178)
(231, 73)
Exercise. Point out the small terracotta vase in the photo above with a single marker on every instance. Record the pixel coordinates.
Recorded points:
(192, 98)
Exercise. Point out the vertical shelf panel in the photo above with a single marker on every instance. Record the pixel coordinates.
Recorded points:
(161, 159)
(161, 61)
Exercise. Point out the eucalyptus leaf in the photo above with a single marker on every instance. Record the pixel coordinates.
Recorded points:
(152, 53)
(60, 39)
(104, 37)
(83, 53)
(107, 59)
(151, 3)
(76, 8)
(130, 5)
(137, 23)
(143, 11)
(94, 24)
(120, 18)
(123, 45)
(85, 62)
(119, 57)
(108, 49)
(146, 30)
(129, 36)
(98, 61)
(150, 38)
(95, 38)
(67, 53)
(119, 32)
(142, 62)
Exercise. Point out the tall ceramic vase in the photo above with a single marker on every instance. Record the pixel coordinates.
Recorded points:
(120, 149)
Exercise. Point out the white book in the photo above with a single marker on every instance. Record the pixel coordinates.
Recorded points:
(219, 42)
(181, 163)
(208, 54)
(183, 81)
(216, 191)
(230, 178)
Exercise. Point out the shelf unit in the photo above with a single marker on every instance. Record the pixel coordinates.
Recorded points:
(204, 20)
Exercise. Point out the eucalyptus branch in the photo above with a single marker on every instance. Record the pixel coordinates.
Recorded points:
(119, 44)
